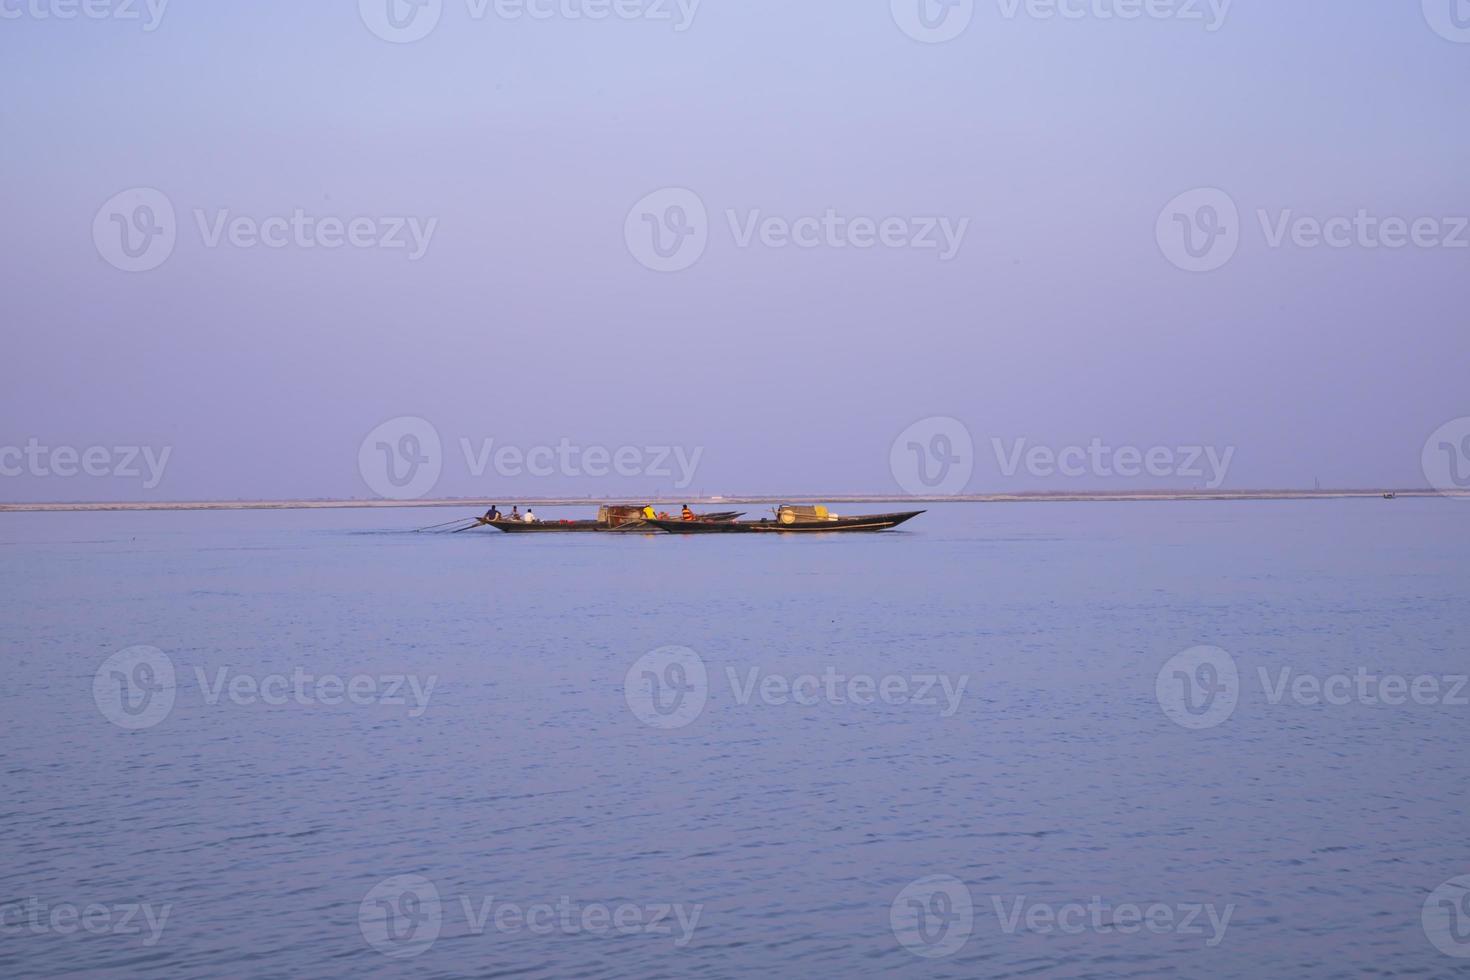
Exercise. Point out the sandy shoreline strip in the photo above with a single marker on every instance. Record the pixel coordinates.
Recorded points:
(471, 504)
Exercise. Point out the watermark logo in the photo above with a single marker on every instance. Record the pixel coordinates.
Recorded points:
(667, 688)
(1210, 13)
(300, 230)
(1446, 457)
(933, 457)
(402, 458)
(137, 10)
(134, 688)
(406, 21)
(1446, 917)
(933, 21)
(119, 462)
(933, 916)
(33, 916)
(1198, 688)
(136, 229)
(1099, 459)
(1365, 687)
(1199, 231)
(401, 21)
(301, 687)
(1206, 919)
(1450, 19)
(835, 230)
(1363, 229)
(401, 916)
(832, 688)
(667, 230)
(571, 460)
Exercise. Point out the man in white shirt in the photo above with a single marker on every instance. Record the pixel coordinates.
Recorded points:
(530, 517)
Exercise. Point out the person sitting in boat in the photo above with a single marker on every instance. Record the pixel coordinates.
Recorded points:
(530, 517)
(515, 512)
(493, 514)
(687, 515)
(648, 514)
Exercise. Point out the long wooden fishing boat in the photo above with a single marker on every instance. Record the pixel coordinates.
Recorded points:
(609, 520)
(792, 520)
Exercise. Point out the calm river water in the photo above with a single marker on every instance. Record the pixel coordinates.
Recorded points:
(1063, 739)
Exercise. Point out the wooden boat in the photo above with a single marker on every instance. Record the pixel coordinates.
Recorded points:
(792, 520)
(610, 519)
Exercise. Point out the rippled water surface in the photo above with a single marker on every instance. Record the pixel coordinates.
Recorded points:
(524, 800)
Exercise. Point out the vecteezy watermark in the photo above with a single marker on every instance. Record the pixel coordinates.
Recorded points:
(937, 21)
(136, 688)
(1201, 687)
(669, 230)
(1450, 19)
(301, 687)
(305, 231)
(406, 21)
(1098, 459)
(1363, 686)
(402, 916)
(33, 916)
(933, 916)
(403, 458)
(933, 457)
(1205, 920)
(1198, 688)
(567, 459)
(119, 462)
(932, 21)
(149, 13)
(1209, 13)
(1201, 230)
(1446, 458)
(753, 686)
(137, 229)
(1446, 917)
(669, 687)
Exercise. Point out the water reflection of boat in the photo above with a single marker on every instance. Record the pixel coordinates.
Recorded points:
(790, 519)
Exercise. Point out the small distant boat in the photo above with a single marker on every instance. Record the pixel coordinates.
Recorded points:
(610, 519)
(1390, 496)
(790, 520)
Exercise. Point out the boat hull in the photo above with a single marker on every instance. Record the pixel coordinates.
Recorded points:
(521, 527)
(565, 527)
(863, 522)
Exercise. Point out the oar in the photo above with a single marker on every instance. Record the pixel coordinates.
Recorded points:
(432, 527)
(479, 521)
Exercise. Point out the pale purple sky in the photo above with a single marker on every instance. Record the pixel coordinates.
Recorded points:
(529, 319)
